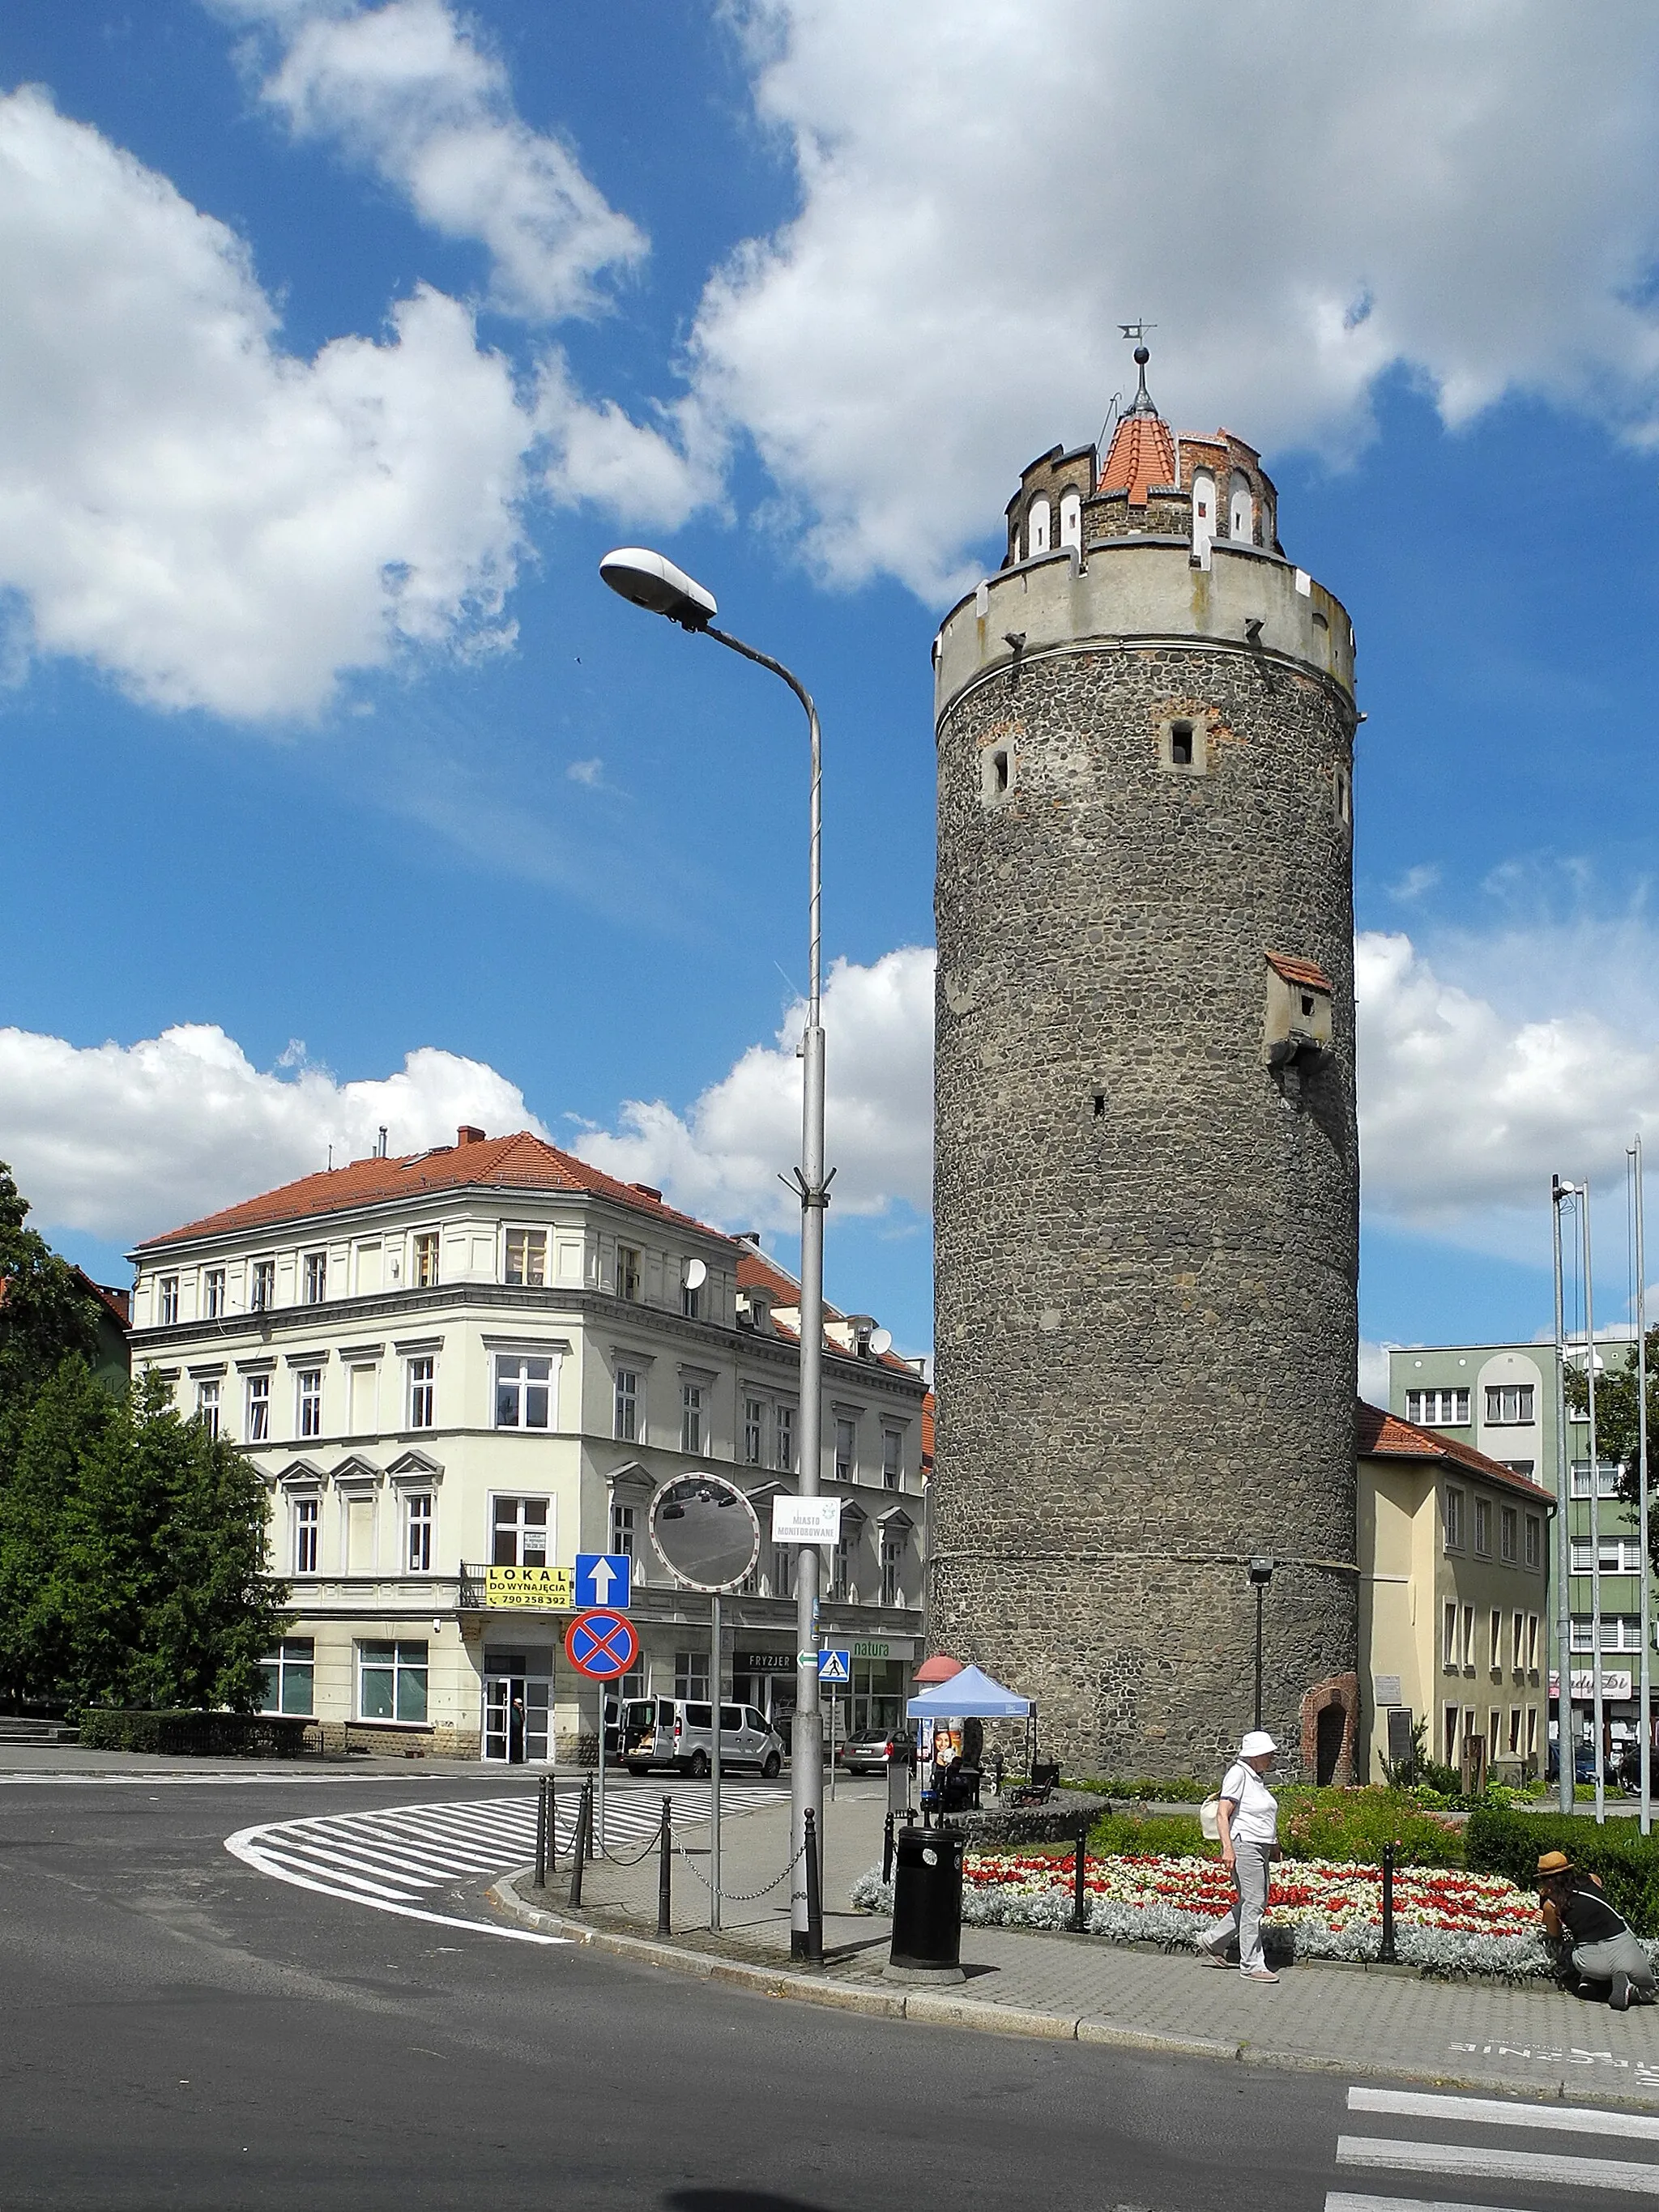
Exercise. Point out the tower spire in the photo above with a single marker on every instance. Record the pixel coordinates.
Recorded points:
(1142, 403)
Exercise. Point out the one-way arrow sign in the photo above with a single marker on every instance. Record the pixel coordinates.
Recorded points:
(604, 1578)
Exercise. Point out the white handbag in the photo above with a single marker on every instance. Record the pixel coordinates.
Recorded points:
(1209, 1819)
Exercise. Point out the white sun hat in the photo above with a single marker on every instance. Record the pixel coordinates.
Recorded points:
(1256, 1741)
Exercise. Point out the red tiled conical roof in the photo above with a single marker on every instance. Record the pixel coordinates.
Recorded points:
(1143, 455)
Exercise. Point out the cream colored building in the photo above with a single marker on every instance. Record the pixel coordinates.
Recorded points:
(490, 1354)
(1453, 1599)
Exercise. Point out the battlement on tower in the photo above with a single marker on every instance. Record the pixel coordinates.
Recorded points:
(1206, 489)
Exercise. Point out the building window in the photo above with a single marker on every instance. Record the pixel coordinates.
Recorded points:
(625, 1407)
(213, 1293)
(167, 1292)
(289, 1673)
(628, 1273)
(840, 1570)
(265, 1286)
(1495, 1639)
(316, 1278)
(521, 1532)
(258, 1409)
(523, 1391)
(1517, 1642)
(1036, 531)
(690, 1417)
(1181, 745)
(392, 1681)
(526, 1257)
(892, 1458)
(1509, 1534)
(423, 1389)
(1449, 1636)
(621, 1530)
(1535, 1541)
(308, 1391)
(847, 1450)
(206, 1407)
(1438, 1409)
(307, 1529)
(1532, 1732)
(754, 1430)
(1532, 1643)
(417, 1520)
(1468, 1638)
(892, 1557)
(785, 1425)
(1607, 1478)
(1515, 1731)
(690, 1675)
(690, 1300)
(1453, 1513)
(1071, 518)
(1509, 1402)
(1452, 1716)
(1483, 1529)
(1581, 1632)
(1616, 1555)
(426, 1259)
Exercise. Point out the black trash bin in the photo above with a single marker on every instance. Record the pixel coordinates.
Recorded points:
(928, 1905)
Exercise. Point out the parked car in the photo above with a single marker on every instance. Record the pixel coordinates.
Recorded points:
(871, 1750)
(679, 1732)
(1584, 1762)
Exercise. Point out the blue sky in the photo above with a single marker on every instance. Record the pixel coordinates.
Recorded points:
(327, 749)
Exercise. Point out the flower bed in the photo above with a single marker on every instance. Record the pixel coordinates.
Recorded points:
(1448, 1920)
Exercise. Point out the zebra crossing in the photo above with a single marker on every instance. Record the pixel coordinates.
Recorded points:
(400, 1859)
(1479, 2156)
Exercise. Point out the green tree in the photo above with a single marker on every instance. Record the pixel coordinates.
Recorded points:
(45, 1315)
(66, 1421)
(1616, 1403)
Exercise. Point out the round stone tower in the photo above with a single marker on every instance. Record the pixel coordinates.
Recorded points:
(1146, 1189)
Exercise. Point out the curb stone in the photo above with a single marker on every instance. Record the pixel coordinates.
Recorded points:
(931, 2009)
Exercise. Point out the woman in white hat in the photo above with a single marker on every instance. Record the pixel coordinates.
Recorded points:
(1248, 1818)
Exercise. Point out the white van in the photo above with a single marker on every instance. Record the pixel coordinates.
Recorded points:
(679, 1732)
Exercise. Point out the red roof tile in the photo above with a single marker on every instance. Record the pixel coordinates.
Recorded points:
(1299, 971)
(1385, 1436)
(521, 1162)
(1143, 456)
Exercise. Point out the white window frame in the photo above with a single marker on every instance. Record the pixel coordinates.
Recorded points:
(167, 1301)
(528, 1535)
(421, 1391)
(1509, 1534)
(625, 1533)
(206, 1404)
(429, 1248)
(625, 1406)
(630, 1272)
(262, 1285)
(754, 1430)
(1495, 1636)
(847, 1447)
(314, 1278)
(532, 1244)
(892, 1459)
(691, 1419)
(308, 1402)
(1448, 1636)
(307, 1517)
(1483, 1527)
(295, 1654)
(256, 1410)
(418, 1522)
(403, 1664)
(213, 1293)
(1468, 1638)
(1532, 1643)
(1452, 1511)
(783, 1439)
(1534, 1542)
(522, 1382)
(1501, 1396)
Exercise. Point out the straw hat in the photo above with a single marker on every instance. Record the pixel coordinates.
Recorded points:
(1553, 1863)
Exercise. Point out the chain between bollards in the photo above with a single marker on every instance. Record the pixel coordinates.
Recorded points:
(1079, 1877)
(665, 1868)
(814, 1893)
(1385, 1953)
(584, 1844)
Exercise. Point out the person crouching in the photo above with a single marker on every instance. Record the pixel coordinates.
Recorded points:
(1595, 1941)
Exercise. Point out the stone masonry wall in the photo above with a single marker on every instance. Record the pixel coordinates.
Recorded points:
(1146, 1240)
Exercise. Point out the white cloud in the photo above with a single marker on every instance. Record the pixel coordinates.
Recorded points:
(721, 1160)
(1466, 1109)
(589, 772)
(408, 90)
(1302, 197)
(1373, 1371)
(126, 1141)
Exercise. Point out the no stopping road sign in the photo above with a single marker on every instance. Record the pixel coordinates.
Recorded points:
(602, 1645)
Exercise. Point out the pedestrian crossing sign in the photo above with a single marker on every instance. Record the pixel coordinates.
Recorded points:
(834, 1664)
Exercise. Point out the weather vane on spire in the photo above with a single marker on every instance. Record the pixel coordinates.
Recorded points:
(1142, 403)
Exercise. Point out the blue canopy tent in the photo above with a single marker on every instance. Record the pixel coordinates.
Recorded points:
(972, 1695)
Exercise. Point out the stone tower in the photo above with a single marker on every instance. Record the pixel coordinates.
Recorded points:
(1146, 1189)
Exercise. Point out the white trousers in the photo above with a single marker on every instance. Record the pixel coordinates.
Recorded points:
(1251, 1865)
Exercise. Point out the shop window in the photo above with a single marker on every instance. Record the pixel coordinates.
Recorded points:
(289, 1676)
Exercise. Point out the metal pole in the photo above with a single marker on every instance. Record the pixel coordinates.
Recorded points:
(584, 1837)
(665, 1868)
(813, 1867)
(1385, 1954)
(806, 1740)
(541, 1833)
(715, 1767)
(1259, 1594)
(1079, 1880)
(1559, 1192)
(1645, 1693)
(1595, 1510)
(599, 1848)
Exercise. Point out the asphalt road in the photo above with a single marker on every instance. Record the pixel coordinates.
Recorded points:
(180, 2030)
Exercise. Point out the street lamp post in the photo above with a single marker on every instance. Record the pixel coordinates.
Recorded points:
(650, 581)
(1261, 1573)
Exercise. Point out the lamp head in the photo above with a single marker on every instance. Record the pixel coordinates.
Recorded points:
(1262, 1571)
(652, 582)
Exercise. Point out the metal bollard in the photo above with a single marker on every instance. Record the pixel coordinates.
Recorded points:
(665, 1865)
(541, 1833)
(887, 1851)
(584, 1837)
(1385, 1952)
(1079, 1875)
(814, 1894)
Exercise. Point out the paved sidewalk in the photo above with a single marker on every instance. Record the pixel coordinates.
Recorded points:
(1360, 2020)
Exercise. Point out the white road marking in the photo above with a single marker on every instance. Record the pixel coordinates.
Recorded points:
(1500, 2113)
(1343, 2200)
(1476, 2162)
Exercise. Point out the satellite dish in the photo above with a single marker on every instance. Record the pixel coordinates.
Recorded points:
(697, 1274)
(881, 1342)
(705, 1532)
